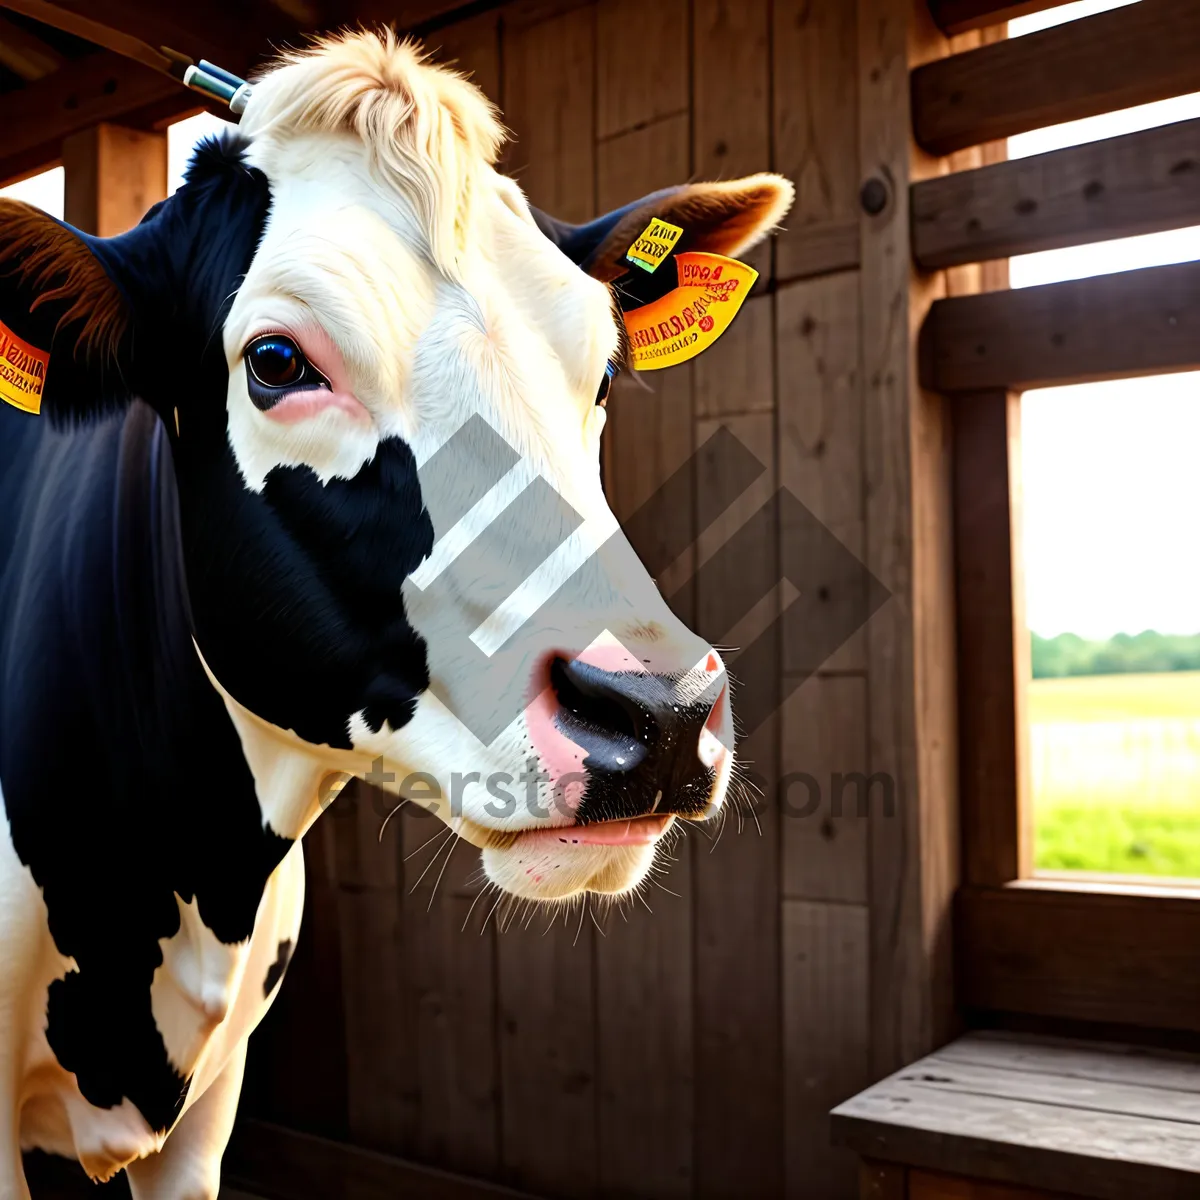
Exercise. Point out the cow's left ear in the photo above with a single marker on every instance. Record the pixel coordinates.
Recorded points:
(721, 218)
(58, 300)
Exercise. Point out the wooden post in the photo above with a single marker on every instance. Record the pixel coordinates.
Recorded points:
(113, 175)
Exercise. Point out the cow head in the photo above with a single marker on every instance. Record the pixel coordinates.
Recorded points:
(383, 381)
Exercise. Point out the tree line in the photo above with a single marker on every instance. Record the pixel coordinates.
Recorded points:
(1069, 654)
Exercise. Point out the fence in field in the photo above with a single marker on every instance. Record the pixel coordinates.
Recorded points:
(1140, 761)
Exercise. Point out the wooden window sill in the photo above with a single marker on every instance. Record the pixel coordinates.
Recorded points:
(1085, 1119)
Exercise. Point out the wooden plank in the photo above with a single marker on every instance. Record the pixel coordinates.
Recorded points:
(815, 72)
(25, 54)
(1051, 1137)
(628, 95)
(959, 16)
(548, 1053)
(821, 433)
(450, 981)
(644, 966)
(969, 1080)
(112, 177)
(1069, 1058)
(825, 836)
(734, 376)
(993, 640)
(282, 1164)
(473, 47)
(731, 97)
(1116, 59)
(910, 641)
(134, 30)
(1139, 183)
(882, 1181)
(933, 1185)
(1109, 327)
(546, 985)
(825, 1039)
(549, 104)
(649, 434)
(739, 1077)
(1060, 952)
(306, 1091)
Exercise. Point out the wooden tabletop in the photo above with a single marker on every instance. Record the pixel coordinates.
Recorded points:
(1096, 1120)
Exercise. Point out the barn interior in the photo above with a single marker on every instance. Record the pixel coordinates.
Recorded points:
(863, 984)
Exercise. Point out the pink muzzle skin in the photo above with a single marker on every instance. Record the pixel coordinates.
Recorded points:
(638, 831)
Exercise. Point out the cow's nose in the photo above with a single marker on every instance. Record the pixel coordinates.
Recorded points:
(652, 742)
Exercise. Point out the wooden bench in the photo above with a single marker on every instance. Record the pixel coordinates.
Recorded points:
(996, 1116)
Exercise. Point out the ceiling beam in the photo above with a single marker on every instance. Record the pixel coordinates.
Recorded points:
(199, 28)
(101, 87)
(25, 54)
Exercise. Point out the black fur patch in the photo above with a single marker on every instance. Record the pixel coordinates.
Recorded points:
(123, 778)
(276, 970)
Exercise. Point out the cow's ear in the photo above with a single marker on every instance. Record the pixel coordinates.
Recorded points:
(56, 297)
(721, 218)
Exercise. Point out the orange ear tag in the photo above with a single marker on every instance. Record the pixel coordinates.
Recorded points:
(686, 321)
(22, 372)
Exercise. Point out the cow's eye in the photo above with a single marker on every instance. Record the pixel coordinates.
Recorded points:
(275, 361)
(610, 373)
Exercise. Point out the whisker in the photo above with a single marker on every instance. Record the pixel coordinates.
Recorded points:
(440, 833)
(490, 911)
(470, 910)
(391, 815)
(425, 872)
(582, 911)
(442, 872)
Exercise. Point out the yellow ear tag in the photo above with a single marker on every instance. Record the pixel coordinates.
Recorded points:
(22, 372)
(689, 319)
(657, 240)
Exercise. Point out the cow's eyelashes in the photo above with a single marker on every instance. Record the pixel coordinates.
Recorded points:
(610, 373)
(276, 366)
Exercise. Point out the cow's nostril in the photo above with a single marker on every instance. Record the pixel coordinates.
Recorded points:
(598, 713)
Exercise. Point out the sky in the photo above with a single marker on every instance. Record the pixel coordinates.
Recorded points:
(1111, 471)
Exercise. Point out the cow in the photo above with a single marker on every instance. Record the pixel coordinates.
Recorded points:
(225, 588)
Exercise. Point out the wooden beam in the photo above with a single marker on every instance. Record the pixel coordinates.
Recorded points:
(1109, 327)
(960, 16)
(1056, 1115)
(1132, 55)
(1139, 183)
(98, 88)
(102, 87)
(993, 640)
(913, 859)
(1125, 956)
(113, 175)
(136, 30)
(25, 54)
(278, 1163)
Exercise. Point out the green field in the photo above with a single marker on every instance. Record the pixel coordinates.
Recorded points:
(1116, 773)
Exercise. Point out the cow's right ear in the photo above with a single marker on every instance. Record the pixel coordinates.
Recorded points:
(57, 297)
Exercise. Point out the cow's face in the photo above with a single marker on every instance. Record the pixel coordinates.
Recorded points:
(383, 379)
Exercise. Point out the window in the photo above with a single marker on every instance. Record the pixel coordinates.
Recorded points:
(1111, 497)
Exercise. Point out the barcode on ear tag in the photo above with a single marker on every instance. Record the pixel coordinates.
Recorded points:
(650, 249)
(22, 372)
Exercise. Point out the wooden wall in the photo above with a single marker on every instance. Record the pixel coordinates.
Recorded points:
(694, 1051)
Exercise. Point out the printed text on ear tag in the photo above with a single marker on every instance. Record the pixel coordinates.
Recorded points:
(690, 318)
(652, 246)
(22, 372)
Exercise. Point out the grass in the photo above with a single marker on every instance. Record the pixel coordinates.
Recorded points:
(1116, 773)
